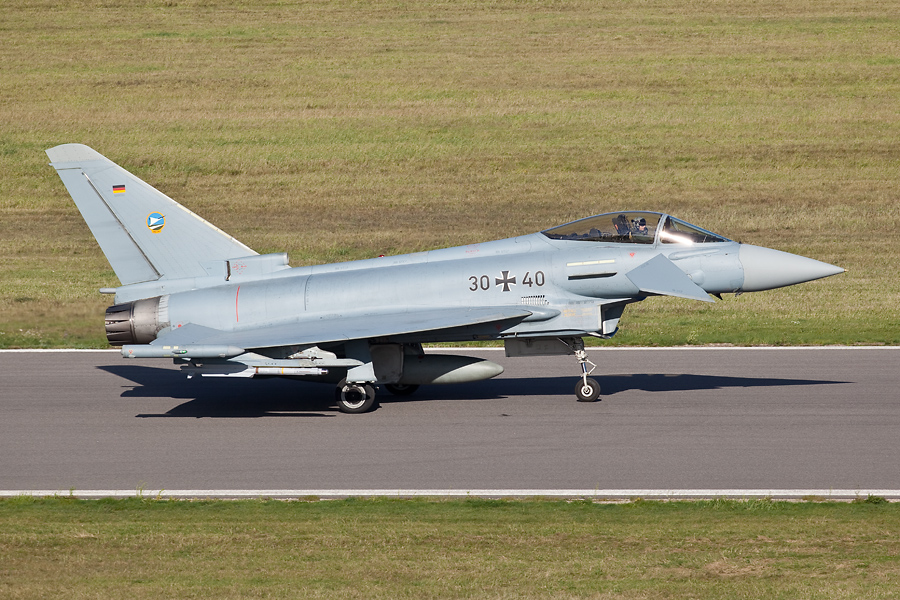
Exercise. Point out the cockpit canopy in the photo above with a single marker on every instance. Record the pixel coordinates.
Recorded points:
(635, 227)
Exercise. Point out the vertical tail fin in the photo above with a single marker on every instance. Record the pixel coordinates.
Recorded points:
(144, 234)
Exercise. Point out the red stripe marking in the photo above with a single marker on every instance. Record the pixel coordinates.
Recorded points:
(236, 294)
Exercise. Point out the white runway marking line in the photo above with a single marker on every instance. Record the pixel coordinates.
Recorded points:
(500, 348)
(621, 494)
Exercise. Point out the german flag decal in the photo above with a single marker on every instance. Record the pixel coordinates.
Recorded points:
(118, 189)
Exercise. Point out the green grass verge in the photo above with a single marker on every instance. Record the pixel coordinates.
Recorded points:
(344, 130)
(140, 548)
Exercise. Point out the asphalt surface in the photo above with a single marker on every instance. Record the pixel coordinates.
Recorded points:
(711, 418)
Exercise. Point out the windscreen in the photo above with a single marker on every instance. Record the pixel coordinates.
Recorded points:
(676, 231)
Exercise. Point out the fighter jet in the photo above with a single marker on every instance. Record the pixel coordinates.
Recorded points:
(193, 293)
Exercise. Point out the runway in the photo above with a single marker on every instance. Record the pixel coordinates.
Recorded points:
(707, 419)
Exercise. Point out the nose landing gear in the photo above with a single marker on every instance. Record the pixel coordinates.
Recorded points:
(587, 389)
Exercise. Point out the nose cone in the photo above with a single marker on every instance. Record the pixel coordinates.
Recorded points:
(765, 269)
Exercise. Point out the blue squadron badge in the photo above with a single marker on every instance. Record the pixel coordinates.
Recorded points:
(155, 222)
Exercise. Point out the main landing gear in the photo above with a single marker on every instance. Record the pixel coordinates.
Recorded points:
(357, 398)
(587, 389)
(354, 398)
(401, 389)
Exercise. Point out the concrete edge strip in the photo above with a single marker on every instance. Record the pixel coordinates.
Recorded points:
(594, 494)
(57, 350)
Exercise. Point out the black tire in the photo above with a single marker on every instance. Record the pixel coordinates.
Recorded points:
(354, 398)
(589, 392)
(401, 389)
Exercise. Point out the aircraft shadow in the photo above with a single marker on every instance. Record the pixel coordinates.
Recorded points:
(225, 398)
(610, 385)
(244, 398)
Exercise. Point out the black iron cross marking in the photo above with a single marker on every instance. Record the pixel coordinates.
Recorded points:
(506, 281)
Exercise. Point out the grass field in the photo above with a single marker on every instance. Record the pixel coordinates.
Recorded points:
(344, 130)
(53, 548)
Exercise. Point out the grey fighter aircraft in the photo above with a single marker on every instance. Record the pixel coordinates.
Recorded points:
(193, 293)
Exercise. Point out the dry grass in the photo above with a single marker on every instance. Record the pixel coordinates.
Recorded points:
(345, 130)
(459, 549)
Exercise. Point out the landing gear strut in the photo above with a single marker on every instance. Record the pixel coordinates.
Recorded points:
(354, 397)
(587, 389)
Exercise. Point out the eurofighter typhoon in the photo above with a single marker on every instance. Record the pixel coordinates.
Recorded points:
(193, 293)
